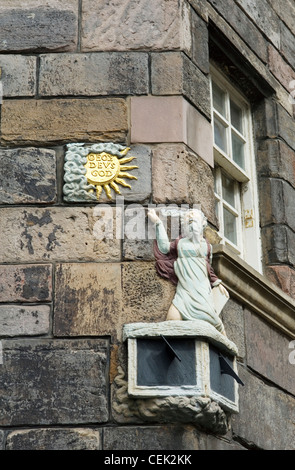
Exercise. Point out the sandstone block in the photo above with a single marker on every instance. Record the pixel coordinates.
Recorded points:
(27, 176)
(264, 18)
(63, 120)
(62, 382)
(35, 27)
(287, 44)
(159, 119)
(279, 67)
(54, 439)
(180, 177)
(233, 320)
(25, 283)
(18, 320)
(268, 352)
(88, 299)
(278, 245)
(134, 25)
(18, 75)
(146, 296)
(276, 160)
(59, 233)
(200, 49)
(284, 277)
(279, 203)
(286, 11)
(268, 405)
(167, 437)
(111, 73)
(173, 73)
(1, 440)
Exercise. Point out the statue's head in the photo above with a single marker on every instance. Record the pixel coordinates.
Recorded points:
(193, 223)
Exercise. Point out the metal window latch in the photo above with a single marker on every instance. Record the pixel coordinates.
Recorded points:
(249, 218)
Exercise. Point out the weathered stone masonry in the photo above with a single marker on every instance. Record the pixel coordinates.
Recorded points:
(135, 72)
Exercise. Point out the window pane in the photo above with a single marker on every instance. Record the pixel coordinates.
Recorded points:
(236, 116)
(220, 135)
(218, 99)
(230, 228)
(228, 190)
(238, 150)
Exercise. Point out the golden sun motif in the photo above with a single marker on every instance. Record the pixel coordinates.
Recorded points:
(106, 171)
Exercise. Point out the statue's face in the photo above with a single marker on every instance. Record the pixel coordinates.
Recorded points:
(194, 227)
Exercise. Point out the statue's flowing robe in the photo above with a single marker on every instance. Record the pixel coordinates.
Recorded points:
(188, 266)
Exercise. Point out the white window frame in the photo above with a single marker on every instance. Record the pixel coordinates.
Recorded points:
(248, 245)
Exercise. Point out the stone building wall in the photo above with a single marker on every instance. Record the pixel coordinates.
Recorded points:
(136, 73)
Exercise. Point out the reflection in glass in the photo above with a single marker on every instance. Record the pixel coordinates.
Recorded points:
(238, 150)
(218, 99)
(230, 229)
(228, 190)
(236, 116)
(220, 135)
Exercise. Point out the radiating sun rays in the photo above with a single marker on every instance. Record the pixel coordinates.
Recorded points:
(106, 171)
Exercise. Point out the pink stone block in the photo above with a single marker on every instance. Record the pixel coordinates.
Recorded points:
(159, 119)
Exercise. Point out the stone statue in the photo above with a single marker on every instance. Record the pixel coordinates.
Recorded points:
(187, 262)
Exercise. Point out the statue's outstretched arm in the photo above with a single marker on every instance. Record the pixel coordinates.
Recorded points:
(161, 234)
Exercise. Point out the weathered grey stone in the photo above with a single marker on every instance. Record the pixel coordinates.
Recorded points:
(173, 73)
(180, 177)
(200, 6)
(278, 207)
(38, 28)
(210, 442)
(266, 417)
(287, 44)
(1, 440)
(233, 320)
(241, 23)
(114, 73)
(268, 352)
(54, 439)
(27, 176)
(88, 299)
(278, 243)
(63, 120)
(124, 25)
(265, 119)
(25, 283)
(164, 437)
(167, 73)
(18, 75)
(264, 18)
(200, 43)
(138, 250)
(62, 382)
(18, 320)
(67, 233)
(276, 160)
(280, 68)
(286, 12)
(286, 125)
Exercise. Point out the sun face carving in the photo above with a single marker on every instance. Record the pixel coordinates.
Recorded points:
(105, 171)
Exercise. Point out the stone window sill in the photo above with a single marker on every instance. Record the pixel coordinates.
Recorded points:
(254, 290)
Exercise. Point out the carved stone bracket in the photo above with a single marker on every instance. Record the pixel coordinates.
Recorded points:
(175, 375)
